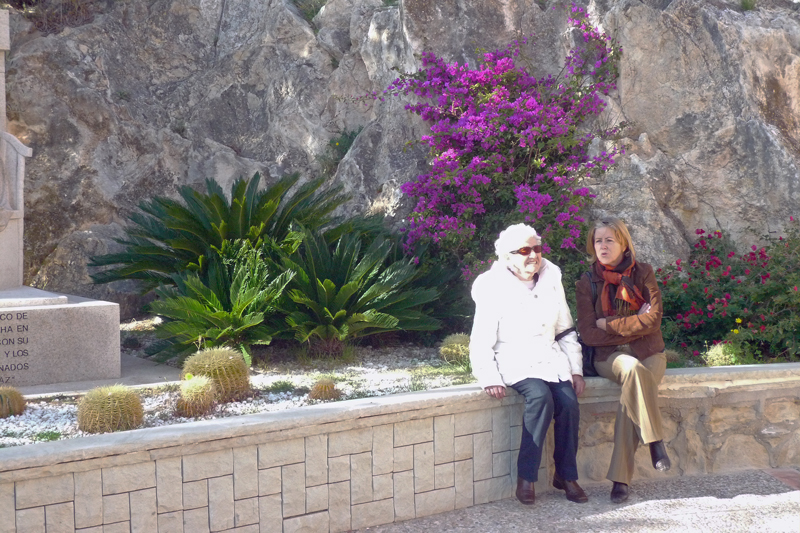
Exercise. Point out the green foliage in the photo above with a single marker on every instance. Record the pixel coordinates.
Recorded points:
(336, 150)
(169, 236)
(749, 299)
(112, 408)
(46, 436)
(228, 308)
(12, 403)
(455, 351)
(309, 8)
(727, 354)
(283, 385)
(346, 293)
(748, 5)
(225, 367)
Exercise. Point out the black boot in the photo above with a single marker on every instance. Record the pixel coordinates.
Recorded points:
(619, 492)
(658, 453)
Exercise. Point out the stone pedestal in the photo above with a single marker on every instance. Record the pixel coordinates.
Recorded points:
(52, 338)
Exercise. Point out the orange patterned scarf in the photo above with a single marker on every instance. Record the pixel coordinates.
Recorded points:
(628, 298)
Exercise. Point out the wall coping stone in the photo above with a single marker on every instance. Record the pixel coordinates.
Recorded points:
(27, 462)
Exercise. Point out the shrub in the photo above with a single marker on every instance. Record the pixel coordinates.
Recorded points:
(12, 403)
(343, 294)
(726, 354)
(112, 408)
(455, 350)
(309, 8)
(169, 237)
(228, 309)
(336, 150)
(750, 299)
(508, 147)
(324, 389)
(197, 396)
(225, 367)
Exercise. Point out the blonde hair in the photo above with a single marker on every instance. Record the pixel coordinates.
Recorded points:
(512, 236)
(621, 234)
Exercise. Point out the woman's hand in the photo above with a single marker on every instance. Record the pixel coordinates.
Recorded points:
(644, 309)
(578, 384)
(496, 391)
(601, 323)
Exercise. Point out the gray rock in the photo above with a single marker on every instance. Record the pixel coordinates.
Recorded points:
(148, 97)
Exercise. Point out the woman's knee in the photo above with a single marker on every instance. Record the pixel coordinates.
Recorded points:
(629, 367)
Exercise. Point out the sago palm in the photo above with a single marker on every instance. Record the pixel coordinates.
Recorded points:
(234, 306)
(172, 236)
(344, 293)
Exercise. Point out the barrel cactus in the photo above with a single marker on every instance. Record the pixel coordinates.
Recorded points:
(112, 408)
(12, 402)
(324, 389)
(225, 367)
(455, 349)
(197, 396)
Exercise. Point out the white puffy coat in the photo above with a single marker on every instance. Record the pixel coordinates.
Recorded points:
(513, 335)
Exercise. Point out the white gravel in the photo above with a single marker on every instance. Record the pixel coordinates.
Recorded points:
(375, 372)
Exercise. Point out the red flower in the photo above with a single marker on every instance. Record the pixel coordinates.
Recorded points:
(699, 231)
(685, 286)
(695, 353)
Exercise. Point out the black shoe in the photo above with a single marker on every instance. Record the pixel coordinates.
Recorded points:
(658, 453)
(574, 491)
(525, 492)
(619, 492)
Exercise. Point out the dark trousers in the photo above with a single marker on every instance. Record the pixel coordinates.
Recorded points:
(545, 401)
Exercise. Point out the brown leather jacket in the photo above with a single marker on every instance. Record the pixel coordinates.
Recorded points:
(641, 332)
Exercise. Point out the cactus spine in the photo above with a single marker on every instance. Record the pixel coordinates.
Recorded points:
(324, 389)
(225, 367)
(12, 403)
(112, 408)
(455, 349)
(197, 396)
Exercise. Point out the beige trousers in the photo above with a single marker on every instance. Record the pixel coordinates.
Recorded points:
(638, 416)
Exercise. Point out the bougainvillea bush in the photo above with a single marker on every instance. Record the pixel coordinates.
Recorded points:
(508, 147)
(749, 300)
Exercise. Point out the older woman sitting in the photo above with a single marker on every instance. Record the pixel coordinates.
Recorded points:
(520, 311)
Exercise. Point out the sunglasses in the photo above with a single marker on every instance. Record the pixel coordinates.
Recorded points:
(526, 250)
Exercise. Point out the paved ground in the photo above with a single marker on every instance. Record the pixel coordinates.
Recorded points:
(135, 371)
(753, 500)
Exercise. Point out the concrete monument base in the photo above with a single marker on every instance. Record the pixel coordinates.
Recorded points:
(53, 338)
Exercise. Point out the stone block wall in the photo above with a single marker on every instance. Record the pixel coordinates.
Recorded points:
(349, 472)
(355, 464)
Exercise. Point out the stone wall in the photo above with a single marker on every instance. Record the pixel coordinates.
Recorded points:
(359, 463)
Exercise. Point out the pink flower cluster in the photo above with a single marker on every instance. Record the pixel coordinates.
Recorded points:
(500, 136)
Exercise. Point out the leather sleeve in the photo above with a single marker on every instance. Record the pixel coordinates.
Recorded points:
(640, 325)
(587, 318)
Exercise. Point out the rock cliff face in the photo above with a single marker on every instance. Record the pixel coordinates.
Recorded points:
(151, 95)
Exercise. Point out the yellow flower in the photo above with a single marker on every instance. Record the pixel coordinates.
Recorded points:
(738, 320)
(736, 331)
